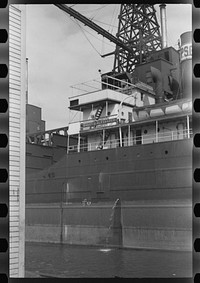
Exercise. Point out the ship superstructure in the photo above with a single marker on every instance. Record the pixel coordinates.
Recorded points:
(123, 113)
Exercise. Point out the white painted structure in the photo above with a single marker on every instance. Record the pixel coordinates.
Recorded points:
(114, 103)
(17, 112)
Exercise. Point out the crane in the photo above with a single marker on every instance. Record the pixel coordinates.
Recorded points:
(138, 34)
(94, 26)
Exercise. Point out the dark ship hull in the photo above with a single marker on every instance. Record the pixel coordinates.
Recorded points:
(162, 171)
(152, 181)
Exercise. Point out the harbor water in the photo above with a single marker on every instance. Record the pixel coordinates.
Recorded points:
(56, 260)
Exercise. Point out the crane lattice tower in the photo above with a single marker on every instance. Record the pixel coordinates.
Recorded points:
(138, 28)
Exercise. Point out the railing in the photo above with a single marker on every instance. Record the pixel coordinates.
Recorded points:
(108, 82)
(45, 138)
(131, 141)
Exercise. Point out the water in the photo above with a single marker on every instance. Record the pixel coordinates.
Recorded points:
(80, 261)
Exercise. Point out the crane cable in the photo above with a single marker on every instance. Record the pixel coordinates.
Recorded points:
(112, 18)
(104, 23)
(102, 46)
(82, 30)
(92, 18)
(109, 27)
(89, 11)
(98, 9)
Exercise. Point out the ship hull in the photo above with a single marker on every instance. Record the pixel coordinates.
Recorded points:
(153, 183)
(147, 172)
(163, 226)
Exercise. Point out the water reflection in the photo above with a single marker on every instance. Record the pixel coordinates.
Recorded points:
(105, 250)
(75, 261)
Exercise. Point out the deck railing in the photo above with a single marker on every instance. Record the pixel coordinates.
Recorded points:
(131, 141)
(108, 82)
(45, 138)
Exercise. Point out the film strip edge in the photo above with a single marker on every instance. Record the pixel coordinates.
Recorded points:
(196, 152)
(4, 151)
(195, 125)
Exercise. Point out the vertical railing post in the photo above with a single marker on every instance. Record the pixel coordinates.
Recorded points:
(103, 138)
(156, 131)
(129, 135)
(68, 144)
(120, 136)
(79, 142)
(188, 127)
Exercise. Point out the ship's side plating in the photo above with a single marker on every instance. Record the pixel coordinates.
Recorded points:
(130, 173)
(155, 211)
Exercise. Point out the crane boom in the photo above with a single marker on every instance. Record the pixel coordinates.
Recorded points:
(94, 26)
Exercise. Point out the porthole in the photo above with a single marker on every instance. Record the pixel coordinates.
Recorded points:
(166, 151)
(79, 161)
(145, 132)
(158, 130)
(107, 158)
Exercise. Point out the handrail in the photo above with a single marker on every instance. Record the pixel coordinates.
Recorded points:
(45, 137)
(98, 86)
(143, 139)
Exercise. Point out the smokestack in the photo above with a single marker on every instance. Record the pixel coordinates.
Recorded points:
(163, 20)
(186, 64)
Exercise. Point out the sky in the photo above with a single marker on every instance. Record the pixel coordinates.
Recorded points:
(63, 52)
